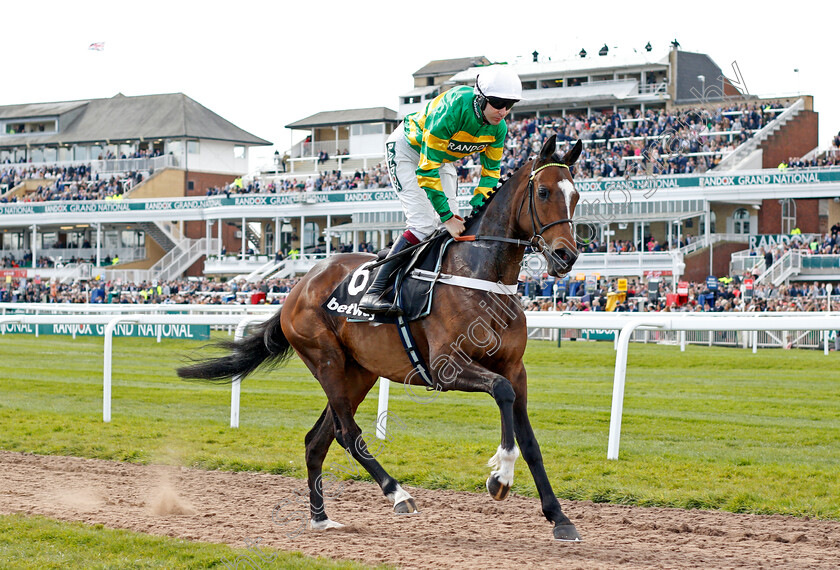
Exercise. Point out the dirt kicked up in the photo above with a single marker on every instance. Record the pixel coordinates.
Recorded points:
(454, 530)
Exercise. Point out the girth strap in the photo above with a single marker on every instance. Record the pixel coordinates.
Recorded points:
(414, 356)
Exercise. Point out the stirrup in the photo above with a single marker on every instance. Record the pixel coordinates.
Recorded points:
(380, 307)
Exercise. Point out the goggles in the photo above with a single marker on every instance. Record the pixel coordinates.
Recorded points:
(499, 103)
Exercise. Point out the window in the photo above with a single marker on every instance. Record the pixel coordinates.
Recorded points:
(788, 215)
(741, 221)
(367, 129)
(192, 147)
(310, 234)
(238, 151)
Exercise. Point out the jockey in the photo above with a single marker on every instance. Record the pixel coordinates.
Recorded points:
(420, 154)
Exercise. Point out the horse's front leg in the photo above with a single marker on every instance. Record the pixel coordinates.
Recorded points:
(563, 528)
(501, 478)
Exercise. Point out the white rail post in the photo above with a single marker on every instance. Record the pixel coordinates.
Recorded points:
(382, 412)
(106, 374)
(236, 385)
(619, 381)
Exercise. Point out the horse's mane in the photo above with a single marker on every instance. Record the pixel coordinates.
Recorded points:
(478, 212)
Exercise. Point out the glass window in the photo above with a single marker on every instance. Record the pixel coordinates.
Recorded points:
(742, 221)
(238, 151)
(192, 147)
(310, 234)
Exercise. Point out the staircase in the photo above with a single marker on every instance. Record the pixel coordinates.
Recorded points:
(253, 237)
(263, 271)
(75, 272)
(743, 156)
(785, 267)
(180, 257)
(160, 234)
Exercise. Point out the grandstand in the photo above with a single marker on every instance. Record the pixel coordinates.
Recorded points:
(681, 169)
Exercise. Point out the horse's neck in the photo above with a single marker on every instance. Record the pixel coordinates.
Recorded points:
(493, 260)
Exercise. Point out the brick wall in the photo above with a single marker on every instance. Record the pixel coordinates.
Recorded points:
(796, 138)
(697, 264)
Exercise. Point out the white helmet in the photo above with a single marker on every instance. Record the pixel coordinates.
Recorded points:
(498, 81)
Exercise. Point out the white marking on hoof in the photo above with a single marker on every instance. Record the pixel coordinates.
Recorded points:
(402, 496)
(502, 464)
(324, 525)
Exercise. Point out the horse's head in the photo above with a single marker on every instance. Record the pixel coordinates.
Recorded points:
(547, 205)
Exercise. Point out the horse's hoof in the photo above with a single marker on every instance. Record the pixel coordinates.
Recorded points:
(566, 533)
(406, 507)
(496, 489)
(324, 524)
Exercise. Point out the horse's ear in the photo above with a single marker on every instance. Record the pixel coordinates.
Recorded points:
(548, 147)
(572, 156)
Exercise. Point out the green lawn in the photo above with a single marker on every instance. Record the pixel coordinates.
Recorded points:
(709, 428)
(38, 543)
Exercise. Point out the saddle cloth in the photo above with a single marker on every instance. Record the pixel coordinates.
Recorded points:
(415, 295)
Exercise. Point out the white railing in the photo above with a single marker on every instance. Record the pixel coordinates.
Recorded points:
(788, 264)
(330, 147)
(186, 252)
(63, 255)
(731, 160)
(266, 269)
(109, 166)
(628, 263)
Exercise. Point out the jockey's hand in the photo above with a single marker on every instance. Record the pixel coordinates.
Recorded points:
(477, 201)
(454, 225)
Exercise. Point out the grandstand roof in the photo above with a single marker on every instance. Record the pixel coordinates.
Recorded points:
(171, 115)
(449, 66)
(345, 117)
(615, 60)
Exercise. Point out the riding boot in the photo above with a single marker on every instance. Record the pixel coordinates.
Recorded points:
(372, 302)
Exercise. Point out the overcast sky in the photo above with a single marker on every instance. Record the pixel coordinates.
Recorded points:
(264, 64)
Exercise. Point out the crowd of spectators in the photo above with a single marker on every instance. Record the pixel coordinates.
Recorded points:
(618, 144)
(831, 157)
(651, 142)
(328, 181)
(180, 291)
(66, 183)
(539, 294)
(730, 295)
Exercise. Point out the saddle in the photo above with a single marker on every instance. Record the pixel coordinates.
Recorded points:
(412, 286)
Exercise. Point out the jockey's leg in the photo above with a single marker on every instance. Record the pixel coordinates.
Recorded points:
(421, 219)
(372, 302)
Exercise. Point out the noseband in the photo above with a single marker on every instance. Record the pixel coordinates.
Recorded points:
(537, 240)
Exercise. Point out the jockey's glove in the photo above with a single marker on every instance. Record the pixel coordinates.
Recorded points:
(477, 201)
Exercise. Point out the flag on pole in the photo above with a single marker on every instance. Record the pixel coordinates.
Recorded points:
(97, 46)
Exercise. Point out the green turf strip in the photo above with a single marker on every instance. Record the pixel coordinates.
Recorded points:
(712, 427)
(39, 543)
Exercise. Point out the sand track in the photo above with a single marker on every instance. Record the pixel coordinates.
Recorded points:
(455, 529)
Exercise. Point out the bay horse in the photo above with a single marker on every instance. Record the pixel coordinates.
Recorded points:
(347, 357)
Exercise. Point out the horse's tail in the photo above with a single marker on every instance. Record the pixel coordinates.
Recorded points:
(265, 345)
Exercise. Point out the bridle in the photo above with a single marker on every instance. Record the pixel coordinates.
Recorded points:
(537, 241)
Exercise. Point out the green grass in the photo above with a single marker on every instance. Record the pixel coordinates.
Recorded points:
(38, 543)
(714, 428)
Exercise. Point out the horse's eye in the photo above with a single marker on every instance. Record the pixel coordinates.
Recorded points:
(542, 193)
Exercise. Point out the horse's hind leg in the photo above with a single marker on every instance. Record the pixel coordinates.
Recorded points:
(318, 442)
(344, 400)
